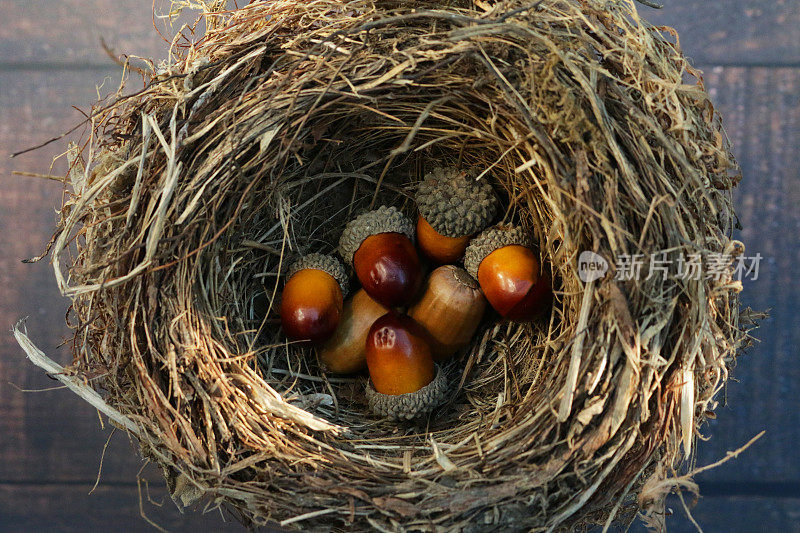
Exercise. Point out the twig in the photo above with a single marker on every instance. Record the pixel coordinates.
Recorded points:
(38, 358)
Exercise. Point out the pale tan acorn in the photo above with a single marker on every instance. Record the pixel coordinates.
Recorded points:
(450, 309)
(344, 353)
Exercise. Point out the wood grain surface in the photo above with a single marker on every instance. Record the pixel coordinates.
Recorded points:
(731, 514)
(43, 435)
(734, 32)
(51, 443)
(64, 33)
(44, 507)
(68, 33)
(761, 107)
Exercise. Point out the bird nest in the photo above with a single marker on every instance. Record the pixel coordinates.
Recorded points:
(260, 141)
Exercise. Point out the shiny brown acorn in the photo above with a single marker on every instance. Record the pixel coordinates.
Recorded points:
(453, 206)
(379, 245)
(450, 309)
(388, 267)
(509, 273)
(312, 299)
(344, 353)
(398, 355)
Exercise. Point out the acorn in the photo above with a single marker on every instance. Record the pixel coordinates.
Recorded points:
(380, 246)
(404, 381)
(451, 307)
(453, 206)
(312, 299)
(509, 273)
(344, 353)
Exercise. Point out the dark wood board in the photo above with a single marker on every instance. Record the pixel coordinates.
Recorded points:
(761, 107)
(71, 509)
(734, 32)
(49, 437)
(52, 33)
(727, 514)
(43, 435)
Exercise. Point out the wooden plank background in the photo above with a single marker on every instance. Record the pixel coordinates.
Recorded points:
(51, 444)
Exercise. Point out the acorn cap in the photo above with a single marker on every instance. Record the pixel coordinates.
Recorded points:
(410, 405)
(490, 240)
(327, 263)
(454, 203)
(382, 220)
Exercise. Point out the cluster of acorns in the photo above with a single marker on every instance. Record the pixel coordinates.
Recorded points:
(401, 349)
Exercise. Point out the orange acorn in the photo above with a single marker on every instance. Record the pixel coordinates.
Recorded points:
(312, 299)
(379, 245)
(437, 247)
(509, 273)
(398, 355)
(453, 206)
(404, 381)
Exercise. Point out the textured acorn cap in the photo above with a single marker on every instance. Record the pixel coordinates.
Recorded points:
(454, 203)
(410, 405)
(327, 263)
(490, 240)
(382, 220)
